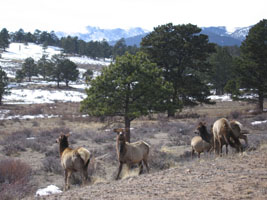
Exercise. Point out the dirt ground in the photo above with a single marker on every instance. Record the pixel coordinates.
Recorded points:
(238, 176)
(173, 174)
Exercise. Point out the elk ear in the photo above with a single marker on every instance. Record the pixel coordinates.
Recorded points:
(67, 135)
(115, 130)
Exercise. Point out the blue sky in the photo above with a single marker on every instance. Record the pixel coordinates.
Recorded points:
(75, 15)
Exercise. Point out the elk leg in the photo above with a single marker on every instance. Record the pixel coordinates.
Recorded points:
(120, 168)
(192, 153)
(140, 167)
(226, 148)
(66, 177)
(145, 162)
(220, 148)
(85, 176)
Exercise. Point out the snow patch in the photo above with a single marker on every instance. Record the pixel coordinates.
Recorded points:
(51, 189)
(258, 122)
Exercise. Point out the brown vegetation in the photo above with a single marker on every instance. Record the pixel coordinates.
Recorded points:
(33, 142)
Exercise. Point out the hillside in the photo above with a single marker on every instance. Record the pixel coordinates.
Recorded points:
(39, 91)
(233, 177)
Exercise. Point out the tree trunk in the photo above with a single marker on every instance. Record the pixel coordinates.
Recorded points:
(260, 101)
(171, 112)
(127, 129)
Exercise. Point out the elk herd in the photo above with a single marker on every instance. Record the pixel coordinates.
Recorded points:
(222, 132)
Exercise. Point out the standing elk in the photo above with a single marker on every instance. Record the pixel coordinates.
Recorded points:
(73, 160)
(224, 135)
(131, 153)
(238, 130)
(203, 142)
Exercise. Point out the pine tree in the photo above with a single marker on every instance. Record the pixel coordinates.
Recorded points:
(4, 39)
(130, 88)
(29, 68)
(181, 52)
(251, 66)
(3, 84)
(221, 69)
(45, 67)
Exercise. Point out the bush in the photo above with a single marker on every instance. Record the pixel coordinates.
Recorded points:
(52, 164)
(14, 143)
(15, 179)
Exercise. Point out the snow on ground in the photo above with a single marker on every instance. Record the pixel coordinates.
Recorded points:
(37, 96)
(20, 51)
(225, 97)
(21, 117)
(258, 122)
(51, 189)
(86, 60)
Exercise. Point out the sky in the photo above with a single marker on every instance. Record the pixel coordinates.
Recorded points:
(74, 15)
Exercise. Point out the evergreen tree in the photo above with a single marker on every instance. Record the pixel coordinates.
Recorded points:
(29, 68)
(131, 87)
(4, 39)
(3, 84)
(56, 72)
(20, 75)
(251, 66)
(45, 67)
(69, 71)
(119, 48)
(64, 70)
(88, 76)
(19, 36)
(221, 71)
(181, 52)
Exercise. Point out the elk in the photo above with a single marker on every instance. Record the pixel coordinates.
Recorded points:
(238, 131)
(203, 142)
(73, 160)
(131, 153)
(223, 134)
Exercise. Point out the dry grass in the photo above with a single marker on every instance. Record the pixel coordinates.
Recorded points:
(15, 177)
(169, 138)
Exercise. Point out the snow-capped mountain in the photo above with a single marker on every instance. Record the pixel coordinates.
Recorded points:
(133, 36)
(240, 33)
(98, 34)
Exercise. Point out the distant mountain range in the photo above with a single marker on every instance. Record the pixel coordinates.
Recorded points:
(133, 36)
(98, 34)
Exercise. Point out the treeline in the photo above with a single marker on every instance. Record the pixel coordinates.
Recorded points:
(71, 45)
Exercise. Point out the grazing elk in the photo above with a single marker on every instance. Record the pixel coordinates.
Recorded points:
(203, 142)
(238, 130)
(73, 160)
(224, 135)
(131, 153)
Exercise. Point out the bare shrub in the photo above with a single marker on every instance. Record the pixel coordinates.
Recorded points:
(235, 114)
(159, 160)
(52, 164)
(35, 145)
(35, 124)
(15, 179)
(179, 133)
(145, 131)
(187, 115)
(15, 142)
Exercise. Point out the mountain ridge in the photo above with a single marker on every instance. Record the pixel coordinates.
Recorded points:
(133, 36)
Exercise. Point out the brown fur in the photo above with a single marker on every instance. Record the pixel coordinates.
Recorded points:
(73, 160)
(131, 153)
(223, 135)
(203, 142)
(237, 128)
